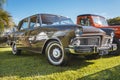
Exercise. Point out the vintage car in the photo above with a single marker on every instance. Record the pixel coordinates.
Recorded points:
(100, 22)
(57, 37)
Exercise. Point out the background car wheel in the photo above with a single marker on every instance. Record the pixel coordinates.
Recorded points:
(117, 52)
(15, 51)
(55, 53)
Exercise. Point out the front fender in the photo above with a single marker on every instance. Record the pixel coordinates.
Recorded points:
(107, 30)
(65, 37)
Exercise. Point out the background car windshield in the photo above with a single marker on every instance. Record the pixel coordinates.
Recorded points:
(100, 20)
(55, 20)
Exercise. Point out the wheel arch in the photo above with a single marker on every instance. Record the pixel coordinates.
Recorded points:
(12, 42)
(63, 40)
(49, 40)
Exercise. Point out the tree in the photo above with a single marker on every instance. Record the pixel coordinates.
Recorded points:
(114, 21)
(5, 18)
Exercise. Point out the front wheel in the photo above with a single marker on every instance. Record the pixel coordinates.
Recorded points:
(55, 53)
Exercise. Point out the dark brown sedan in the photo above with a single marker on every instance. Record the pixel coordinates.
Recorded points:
(57, 37)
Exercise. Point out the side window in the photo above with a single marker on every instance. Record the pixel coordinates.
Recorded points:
(49, 20)
(34, 22)
(24, 24)
(85, 21)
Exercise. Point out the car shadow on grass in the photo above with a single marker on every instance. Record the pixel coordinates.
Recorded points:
(108, 74)
(31, 64)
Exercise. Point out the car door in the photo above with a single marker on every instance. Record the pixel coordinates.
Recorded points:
(22, 34)
(35, 34)
(38, 34)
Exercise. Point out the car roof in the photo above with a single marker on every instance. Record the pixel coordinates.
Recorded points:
(89, 15)
(41, 14)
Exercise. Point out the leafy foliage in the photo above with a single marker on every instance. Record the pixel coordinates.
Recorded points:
(5, 18)
(114, 21)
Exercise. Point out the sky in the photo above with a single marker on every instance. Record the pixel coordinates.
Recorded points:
(20, 9)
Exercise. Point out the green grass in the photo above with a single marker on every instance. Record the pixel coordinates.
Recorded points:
(29, 66)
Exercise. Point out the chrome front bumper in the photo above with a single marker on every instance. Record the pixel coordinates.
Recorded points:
(90, 49)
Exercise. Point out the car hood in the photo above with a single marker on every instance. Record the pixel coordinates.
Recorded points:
(114, 26)
(91, 29)
(86, 29)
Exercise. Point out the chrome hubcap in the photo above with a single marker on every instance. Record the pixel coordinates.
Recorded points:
(56, 53)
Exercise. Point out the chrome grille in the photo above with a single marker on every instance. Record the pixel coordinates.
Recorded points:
(93, 40)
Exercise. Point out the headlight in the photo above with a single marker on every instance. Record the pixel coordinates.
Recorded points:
(78, 31)
(75, 42)
(112, 34)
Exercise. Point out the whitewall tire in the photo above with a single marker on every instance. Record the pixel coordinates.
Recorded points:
(55, 53)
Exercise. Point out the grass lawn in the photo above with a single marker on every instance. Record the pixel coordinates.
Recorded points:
(29, 66)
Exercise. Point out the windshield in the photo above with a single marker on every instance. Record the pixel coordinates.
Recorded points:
(48, 19)
(100, 20)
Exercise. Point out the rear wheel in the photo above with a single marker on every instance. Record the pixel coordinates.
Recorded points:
(15, 51)
(55, 53)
